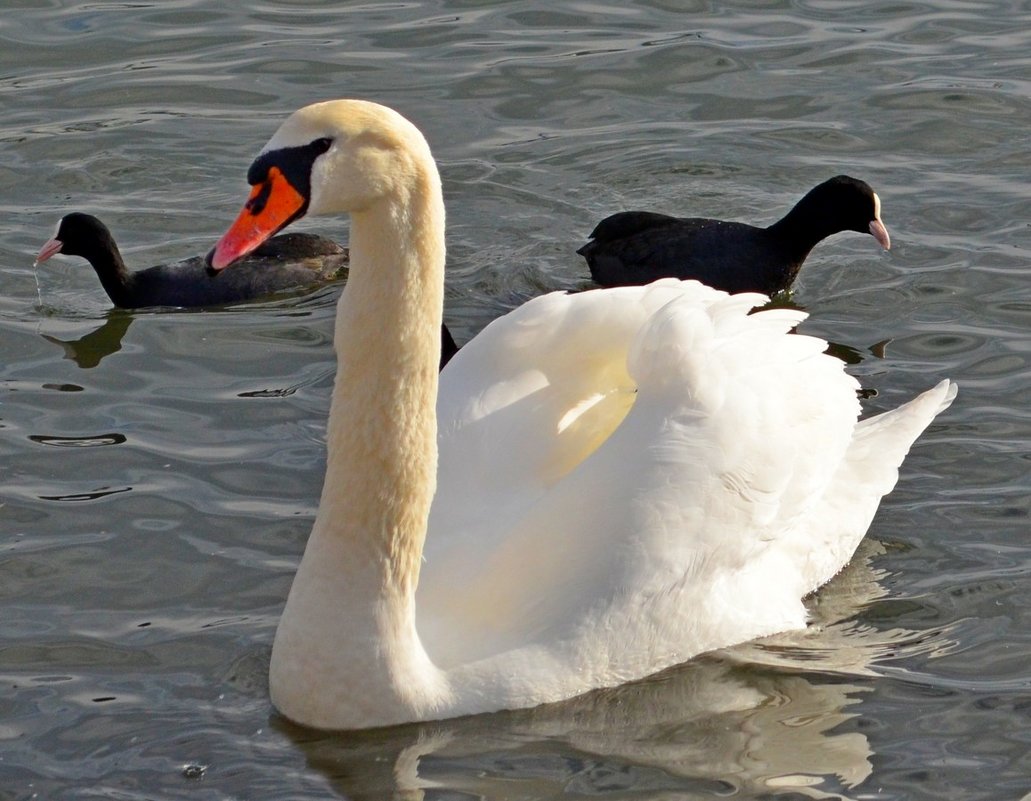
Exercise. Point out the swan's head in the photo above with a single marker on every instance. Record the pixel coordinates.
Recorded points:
(336, 157)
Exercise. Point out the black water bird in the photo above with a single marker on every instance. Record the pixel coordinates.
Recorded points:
(638, 247)
(286, 262)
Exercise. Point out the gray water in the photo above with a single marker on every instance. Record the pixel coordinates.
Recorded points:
(159, 470)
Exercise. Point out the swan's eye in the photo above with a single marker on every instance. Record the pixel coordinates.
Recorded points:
(293, 163)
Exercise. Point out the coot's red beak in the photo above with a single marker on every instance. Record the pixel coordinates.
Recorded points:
(273, 204)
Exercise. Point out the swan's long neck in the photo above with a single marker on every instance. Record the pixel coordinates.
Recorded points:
(382, 427)
(347, 642)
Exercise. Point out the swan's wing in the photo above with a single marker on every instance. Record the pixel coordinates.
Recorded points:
(676, 531)
(532, 395)
(519, 407)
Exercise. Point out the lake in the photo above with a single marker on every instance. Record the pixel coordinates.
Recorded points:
(160, 469)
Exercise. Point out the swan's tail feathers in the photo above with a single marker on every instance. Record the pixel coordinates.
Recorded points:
(869, 471)
(887, 437)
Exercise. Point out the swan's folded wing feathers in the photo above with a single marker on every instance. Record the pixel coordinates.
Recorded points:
(519, 407)
(545, 383)
(734, 434)
(760, 402)
(695, 348)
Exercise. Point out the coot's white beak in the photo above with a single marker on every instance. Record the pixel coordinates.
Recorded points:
(50, 247)
(880, 233)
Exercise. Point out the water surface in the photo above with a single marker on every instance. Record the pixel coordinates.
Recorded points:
(159, 470)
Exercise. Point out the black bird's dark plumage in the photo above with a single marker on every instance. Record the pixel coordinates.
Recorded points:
(285, 262)
(638, 247)
(288, 261)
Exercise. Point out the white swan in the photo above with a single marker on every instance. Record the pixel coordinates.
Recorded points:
(627, 477)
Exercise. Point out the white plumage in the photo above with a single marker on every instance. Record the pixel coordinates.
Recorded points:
(627, 477)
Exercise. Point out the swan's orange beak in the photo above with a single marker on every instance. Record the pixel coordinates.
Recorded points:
(273, 204)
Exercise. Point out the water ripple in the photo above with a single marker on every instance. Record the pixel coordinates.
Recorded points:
(141, 583)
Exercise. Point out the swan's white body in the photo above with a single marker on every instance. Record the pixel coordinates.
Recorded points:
(627, 477)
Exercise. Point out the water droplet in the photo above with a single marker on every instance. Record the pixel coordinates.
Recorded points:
(39, 292)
